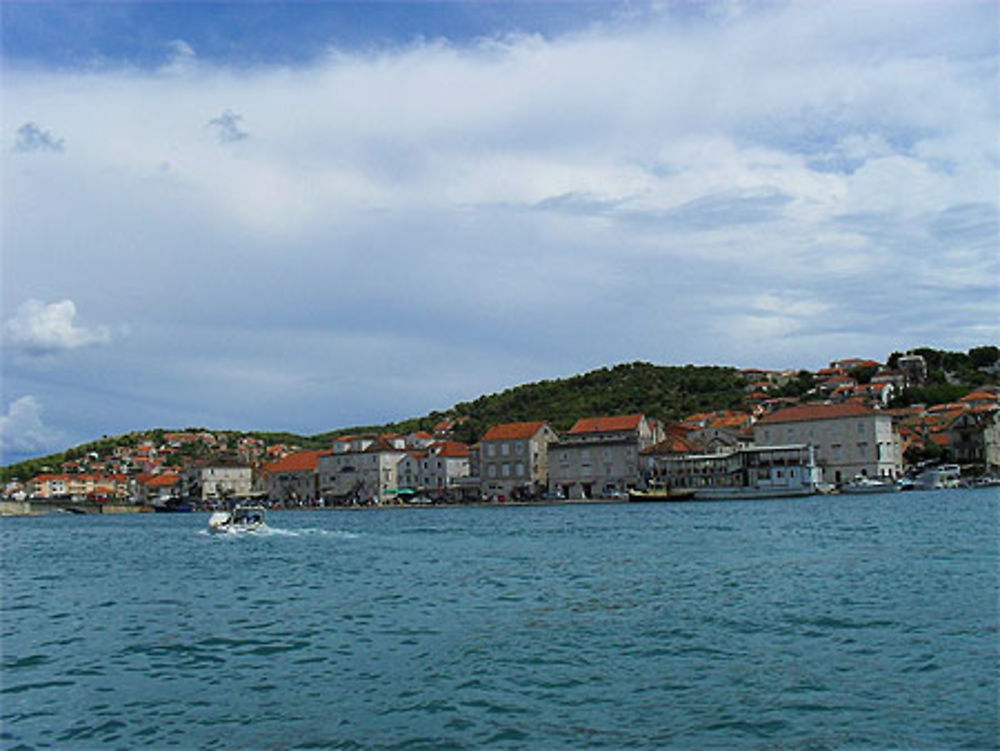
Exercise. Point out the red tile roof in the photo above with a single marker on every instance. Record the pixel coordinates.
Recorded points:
(301, 461)
(805, 412)
(451, 449)
(513, 431)
(606, 424)
(162, 481)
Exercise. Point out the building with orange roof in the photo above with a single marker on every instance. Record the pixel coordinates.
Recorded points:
(599, 456)
(849, 439)
(437, 471)
(157, 489)
(725, 431)
(79, 486)
(514, 459)
(293, 479)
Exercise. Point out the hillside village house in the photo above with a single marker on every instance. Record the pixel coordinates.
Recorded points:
(599, 456)
(849, 439)
(217, 481)
(513, 459)
(293, 479)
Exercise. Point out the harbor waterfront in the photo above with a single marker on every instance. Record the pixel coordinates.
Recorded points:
(866, 621)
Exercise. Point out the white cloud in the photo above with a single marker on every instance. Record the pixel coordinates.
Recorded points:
(22, 431)
(783, 174)
(40, 328)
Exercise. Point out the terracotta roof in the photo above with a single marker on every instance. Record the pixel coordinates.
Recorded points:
(729, 421)
(698, 417)
(672, 445)
(162, 481)
(805, 412)
(513, 431)
(980, 396)
(452, 449)
(606, 424)
(300, 461)
(382, 444)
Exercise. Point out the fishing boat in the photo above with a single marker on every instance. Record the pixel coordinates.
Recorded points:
(660, 494)
(238, 519)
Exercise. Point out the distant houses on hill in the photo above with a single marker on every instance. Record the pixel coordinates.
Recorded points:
(829, 426)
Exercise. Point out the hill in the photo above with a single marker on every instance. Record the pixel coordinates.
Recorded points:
(664, 392)
(660, 391)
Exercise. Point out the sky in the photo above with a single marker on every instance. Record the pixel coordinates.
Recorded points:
(308, 216)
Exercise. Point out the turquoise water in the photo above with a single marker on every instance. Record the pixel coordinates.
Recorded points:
(845, 622)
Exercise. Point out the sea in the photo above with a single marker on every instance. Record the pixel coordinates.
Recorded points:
(831, 622)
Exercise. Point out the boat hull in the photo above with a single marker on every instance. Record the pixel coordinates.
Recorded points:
(750, 494)
(674, 495)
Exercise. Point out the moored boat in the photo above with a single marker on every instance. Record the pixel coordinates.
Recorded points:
(661, 494)
(862, 484)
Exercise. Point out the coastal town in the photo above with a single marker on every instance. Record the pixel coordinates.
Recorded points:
(842, 434)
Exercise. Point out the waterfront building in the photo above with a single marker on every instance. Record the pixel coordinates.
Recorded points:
(599, 456)
(348, 474)
(293, 479)
(79, 486)
(157, 489)
(217, 481)
(514, 459)
(437, 471)
(850, 439)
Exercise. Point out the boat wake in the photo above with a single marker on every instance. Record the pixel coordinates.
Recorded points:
(340, 534)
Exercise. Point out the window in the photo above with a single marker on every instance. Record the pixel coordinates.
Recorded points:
(505, 470)
(519, 448)
(505, 449)
(491, 449)
(491, 470)
(519, 469)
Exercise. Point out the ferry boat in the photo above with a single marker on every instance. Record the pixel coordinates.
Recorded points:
(238, 519)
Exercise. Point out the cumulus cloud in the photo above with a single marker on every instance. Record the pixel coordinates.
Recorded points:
(227, 127)
(39, 328)
(24, 433)
(30, 137)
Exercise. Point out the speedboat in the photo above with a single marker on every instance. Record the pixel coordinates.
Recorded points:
(862, 484)
(238, 519)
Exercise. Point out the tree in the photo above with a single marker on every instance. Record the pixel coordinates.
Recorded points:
(984, 357)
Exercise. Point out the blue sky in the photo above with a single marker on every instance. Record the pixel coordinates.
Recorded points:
(313, 215)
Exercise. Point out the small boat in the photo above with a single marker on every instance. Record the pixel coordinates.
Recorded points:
(660, 494)
(862, 484)
(239, 519)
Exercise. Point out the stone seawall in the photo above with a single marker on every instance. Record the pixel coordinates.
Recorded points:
(40, 508)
